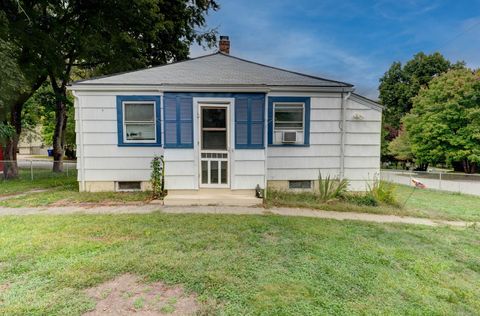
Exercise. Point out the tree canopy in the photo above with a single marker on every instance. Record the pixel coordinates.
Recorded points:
(104, 37)
(444, 123)
(400, 147)
(400, 83)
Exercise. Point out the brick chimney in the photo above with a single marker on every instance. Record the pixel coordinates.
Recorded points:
(224, 44)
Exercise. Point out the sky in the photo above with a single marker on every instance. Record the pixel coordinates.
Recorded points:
(353, 41)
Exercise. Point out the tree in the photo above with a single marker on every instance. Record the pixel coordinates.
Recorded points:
(17, 84)
(444, 123)
(106, 36)
(400, 84)
(400, 147)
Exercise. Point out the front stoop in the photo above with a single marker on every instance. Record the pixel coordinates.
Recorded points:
(222, 197)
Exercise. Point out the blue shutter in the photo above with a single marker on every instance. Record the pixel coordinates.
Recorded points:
(257, 111)
(249, 122)
(241, 123)
(178, 116)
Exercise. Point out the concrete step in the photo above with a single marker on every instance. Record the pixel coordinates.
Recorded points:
(204, 197)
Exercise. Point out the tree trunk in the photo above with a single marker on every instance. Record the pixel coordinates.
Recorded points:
(10, 155)
(469, 167)
(421, 167)
(59, 132)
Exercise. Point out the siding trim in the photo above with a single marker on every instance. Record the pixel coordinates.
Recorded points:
(158, 125)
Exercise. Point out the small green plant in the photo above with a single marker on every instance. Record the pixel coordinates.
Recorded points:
(383, 192)
(361, 199)
(139, 303)
(329, 189)
(157, 178)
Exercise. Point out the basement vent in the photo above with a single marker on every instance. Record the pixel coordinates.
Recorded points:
(129, 186)
(299, 184)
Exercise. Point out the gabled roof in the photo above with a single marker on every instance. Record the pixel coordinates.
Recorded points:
(214, 69)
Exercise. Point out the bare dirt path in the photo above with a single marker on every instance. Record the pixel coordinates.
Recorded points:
(7, 196)
(232, 210)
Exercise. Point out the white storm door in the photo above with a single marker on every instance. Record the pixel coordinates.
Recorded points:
(214, 145)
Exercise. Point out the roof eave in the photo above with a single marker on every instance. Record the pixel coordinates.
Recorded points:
(205, 88)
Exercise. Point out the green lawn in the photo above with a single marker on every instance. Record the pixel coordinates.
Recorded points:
(248, 265)
(62, 189)
(42, 179)
(422, 203)
(432, 203)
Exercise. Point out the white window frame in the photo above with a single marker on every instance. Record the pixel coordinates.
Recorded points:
(299, 129)
(125, 140)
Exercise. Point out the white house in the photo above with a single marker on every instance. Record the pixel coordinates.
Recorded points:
(223, 122)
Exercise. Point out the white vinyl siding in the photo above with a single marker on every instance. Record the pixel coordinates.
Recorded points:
(362, 144)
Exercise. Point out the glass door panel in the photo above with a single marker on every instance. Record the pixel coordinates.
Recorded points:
(214, 146)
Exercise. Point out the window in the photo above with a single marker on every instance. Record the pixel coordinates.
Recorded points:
(289, 116)
(214, 128)
(288, 121)
(299, 184)
(139, 122)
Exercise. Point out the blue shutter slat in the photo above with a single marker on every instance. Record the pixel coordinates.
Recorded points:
(186, 136)
(170, 133)
(241, 134)
(257, 134)
(241, 110)
(257, 109)
(186, 108)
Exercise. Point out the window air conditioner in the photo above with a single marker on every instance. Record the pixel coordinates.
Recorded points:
(289, 137)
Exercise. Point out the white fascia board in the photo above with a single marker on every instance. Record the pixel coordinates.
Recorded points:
(205, 88)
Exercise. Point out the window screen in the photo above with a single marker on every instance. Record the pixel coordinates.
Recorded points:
(139, 121)
(288, 116)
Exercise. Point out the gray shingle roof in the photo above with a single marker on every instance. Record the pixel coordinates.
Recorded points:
(215, 69)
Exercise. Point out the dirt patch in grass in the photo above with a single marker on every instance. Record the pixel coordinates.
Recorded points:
(126, 294)
(4, 287)
(67, 202)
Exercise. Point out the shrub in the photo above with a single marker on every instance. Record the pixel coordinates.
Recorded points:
(329, 189)
(157, 178)
(362, 199)
(383, 192)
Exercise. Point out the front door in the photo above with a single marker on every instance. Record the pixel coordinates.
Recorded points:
(214, 144)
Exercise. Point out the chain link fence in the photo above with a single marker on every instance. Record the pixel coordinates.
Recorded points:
(445, 181)
(32, 169)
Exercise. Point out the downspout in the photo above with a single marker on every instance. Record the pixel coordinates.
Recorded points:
(80, 139)
(265, 140)
(342, 131)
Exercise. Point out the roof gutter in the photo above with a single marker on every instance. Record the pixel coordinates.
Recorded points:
(204, 88)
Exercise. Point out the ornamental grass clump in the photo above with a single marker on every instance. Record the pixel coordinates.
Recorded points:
(383, 192)
(331, 188)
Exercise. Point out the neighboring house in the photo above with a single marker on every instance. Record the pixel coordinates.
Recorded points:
(223, 122)
(31, 142)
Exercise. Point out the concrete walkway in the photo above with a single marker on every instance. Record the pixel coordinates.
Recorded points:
(237, 210)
